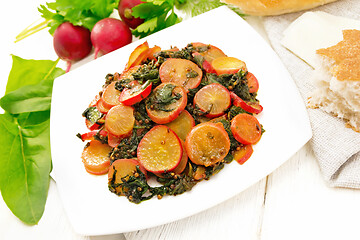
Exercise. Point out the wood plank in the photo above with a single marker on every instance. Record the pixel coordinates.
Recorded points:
(238, 217)
(299, 204)
(54, 224)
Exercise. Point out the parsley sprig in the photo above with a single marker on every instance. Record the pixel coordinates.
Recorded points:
(160, 14)
(79, 12)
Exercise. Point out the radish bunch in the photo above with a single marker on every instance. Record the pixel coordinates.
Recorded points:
(73, 43)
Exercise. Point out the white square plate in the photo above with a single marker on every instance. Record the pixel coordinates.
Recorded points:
(93, 210)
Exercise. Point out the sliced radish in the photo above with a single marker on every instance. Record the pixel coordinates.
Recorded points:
(251, 107)
(182, 124)
(213, 99)
(168, 112)
(243, 153)
(228, 65)
(96, 157)
(137, 92)
(207, 144)
(120, 120)
(160, 150)
(182, 72)
(246, 129)
(252, 82)
(211, 51)
(122, 169)
(110, 96)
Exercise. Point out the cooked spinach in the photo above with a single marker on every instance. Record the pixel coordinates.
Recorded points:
(161, 98)
(93, 114)
(234, 82)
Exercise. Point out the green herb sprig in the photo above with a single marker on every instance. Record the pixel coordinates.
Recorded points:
(160, 14)
(79, 12)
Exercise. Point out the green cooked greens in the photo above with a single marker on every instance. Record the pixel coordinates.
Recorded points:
(25, 159)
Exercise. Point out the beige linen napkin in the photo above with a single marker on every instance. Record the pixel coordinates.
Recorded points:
(336, 147)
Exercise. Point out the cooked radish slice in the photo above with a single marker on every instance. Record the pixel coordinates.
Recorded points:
(211, 51)
(182, 164)
(206, 65)
(120, 120)
(182, 124)
(207, 144)
(136, 53)
(100, 106)
(127, 73)
(251, 107)
(252, 82)
(137, 92)
(200, 173)
(113, 140)
(110, 96)
(246, 128)
(243, 153)
(160, 150)
(120, 169)
(91, 135)
(166, 102)
(147, 54)
(91, 126)
(228, 65)
(96, 157)
(184, 160)
(141, 54)
(182, 72)
(213, 99)
(94, 101)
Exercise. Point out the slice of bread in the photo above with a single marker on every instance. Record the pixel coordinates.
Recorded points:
(274, 7)
(337, 80)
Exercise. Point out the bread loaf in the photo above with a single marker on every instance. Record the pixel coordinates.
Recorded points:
(337, 80)
(274, 7)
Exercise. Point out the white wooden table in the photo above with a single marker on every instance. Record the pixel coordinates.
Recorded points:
(291, 203)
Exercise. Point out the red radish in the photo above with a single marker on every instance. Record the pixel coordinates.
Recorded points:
(71, 43)
(110, 34)
(246, 129)
(137, 92)
(91, 135)
(251, 107)
(243, 153)
(125, 13)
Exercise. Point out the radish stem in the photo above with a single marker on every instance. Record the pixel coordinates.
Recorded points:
(31, 29)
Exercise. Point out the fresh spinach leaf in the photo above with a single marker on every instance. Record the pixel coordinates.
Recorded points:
(28, 72)
(30, 98)
(25, 165)
(25, 158)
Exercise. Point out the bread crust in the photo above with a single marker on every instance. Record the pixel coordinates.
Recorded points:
(275, 7)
